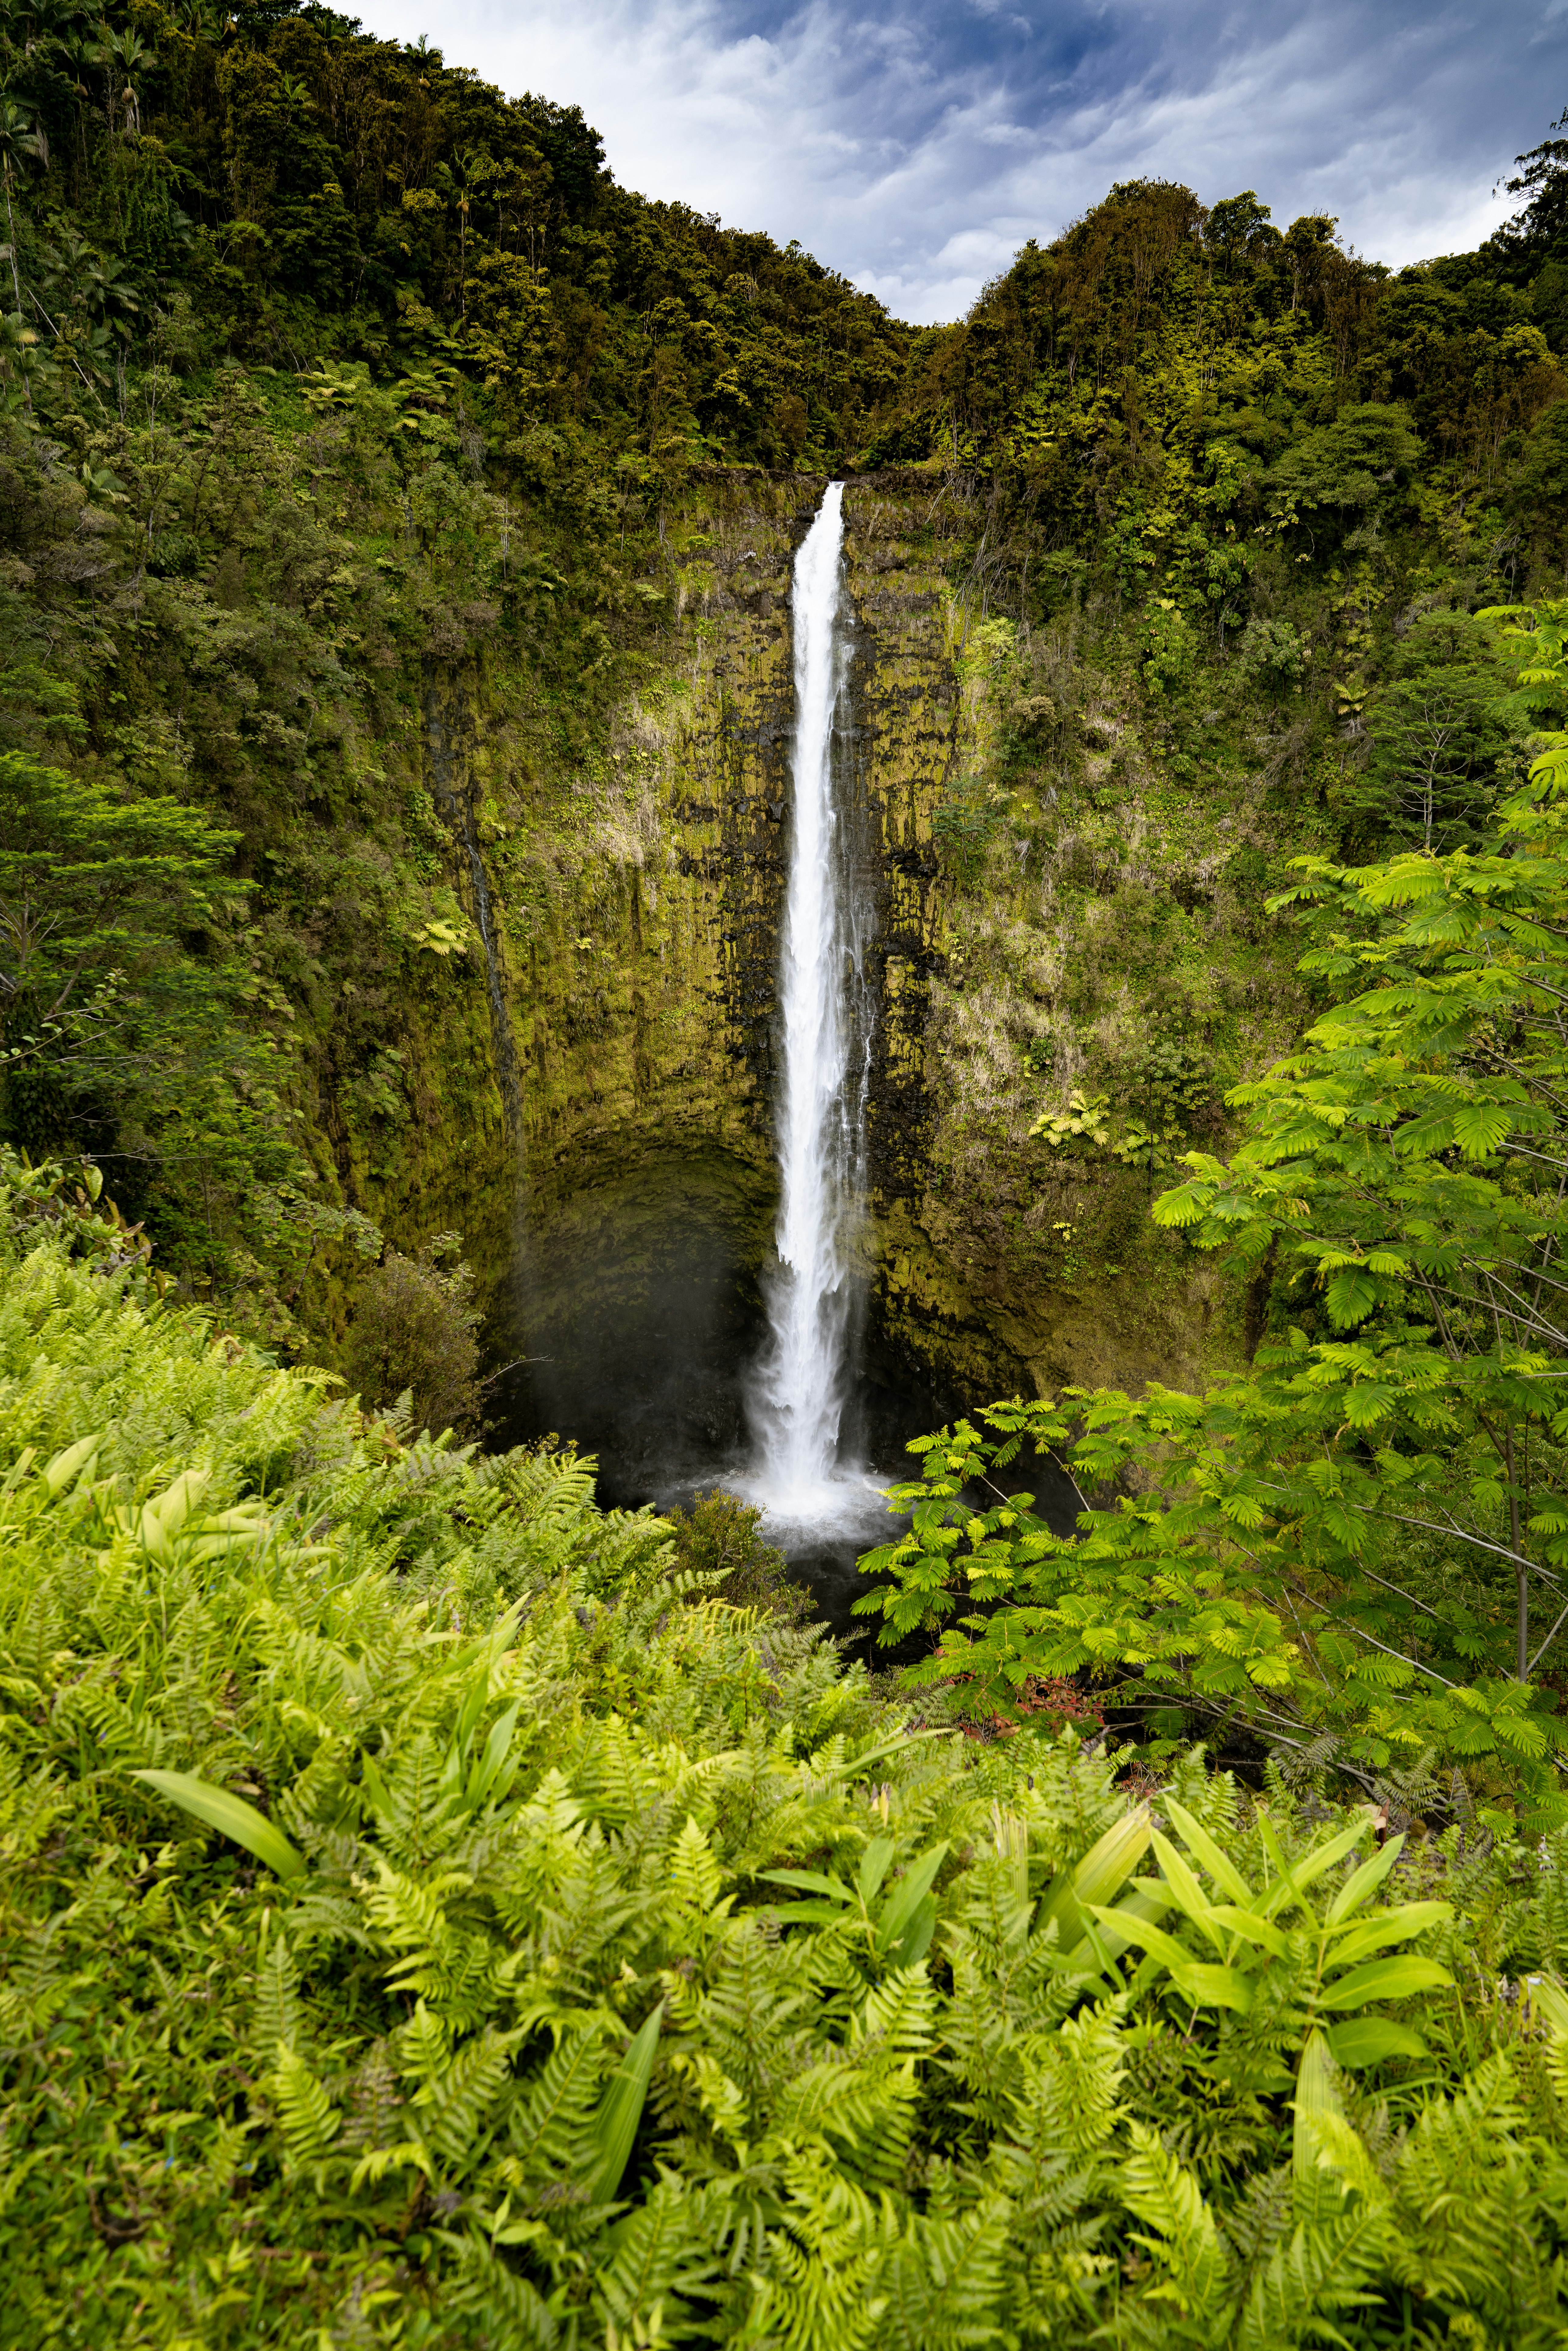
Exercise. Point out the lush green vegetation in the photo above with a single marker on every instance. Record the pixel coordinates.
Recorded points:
(1324, 1546)
(431, 1917)
(325, 369)
(438, 1911)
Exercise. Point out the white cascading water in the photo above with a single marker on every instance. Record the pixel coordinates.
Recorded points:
(799, 1391)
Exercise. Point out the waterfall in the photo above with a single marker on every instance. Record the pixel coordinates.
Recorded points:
(800, 1385)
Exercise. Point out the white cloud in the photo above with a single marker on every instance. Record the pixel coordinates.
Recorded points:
(915, 146)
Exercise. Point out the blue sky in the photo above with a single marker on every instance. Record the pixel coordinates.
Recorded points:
(915, 146)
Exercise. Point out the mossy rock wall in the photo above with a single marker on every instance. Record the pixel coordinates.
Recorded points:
(604, 1139)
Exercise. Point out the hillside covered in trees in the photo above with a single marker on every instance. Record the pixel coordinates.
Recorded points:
(438, 1909)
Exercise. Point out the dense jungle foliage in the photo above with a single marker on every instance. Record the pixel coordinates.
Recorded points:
(528, 1930)
(431, 1917)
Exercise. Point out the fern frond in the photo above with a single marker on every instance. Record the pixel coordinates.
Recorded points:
(455, 2104)
(899, 2013)
(551, 2110)
(944, 2283)
(1322, 2269)
(816, 2288)
(660, 2256)
(306, 2117)
(696, 1879)
(513, 2314)
(1164, 2193)
(277, 2016)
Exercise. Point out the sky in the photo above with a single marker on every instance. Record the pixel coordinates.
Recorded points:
(915, 144)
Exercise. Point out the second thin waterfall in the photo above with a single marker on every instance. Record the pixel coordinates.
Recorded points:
(802, 1383)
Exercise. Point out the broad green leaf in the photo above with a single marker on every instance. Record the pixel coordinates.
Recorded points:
(911, 1945)
(1223, 1871)
(1370, 2040)
(811, 1881)
(1364, 1882)
(1548, 1999)
(908, 1895)
(1250, 1927)
(1148, 1902)
(1384, 1927)
(1103, 1872)
(874, 1867)
(1312, 1864)
(489, 1766)
(1317, 2093)
(1295, 1877)
(1385, 1980)
(1185, 1891)
(232, 1814)
(857, 1763)
(621, 2110)
(1212, 1987)
(1135, 1930)
(806, 1913)
(58, 1474)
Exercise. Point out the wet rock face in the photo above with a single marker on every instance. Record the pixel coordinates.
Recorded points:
(650, 1040)
(637, 912)
(902, 704)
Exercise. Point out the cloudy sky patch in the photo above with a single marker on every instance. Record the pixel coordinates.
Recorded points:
(914, 145)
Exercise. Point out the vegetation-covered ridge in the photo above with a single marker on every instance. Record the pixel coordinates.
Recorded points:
(341, 392)
(429, 1921)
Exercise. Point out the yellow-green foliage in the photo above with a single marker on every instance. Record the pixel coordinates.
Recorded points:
(633, 1975)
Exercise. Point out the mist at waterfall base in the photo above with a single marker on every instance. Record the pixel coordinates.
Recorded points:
(679, 1361)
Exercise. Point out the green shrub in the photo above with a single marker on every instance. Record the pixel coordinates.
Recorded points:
(413, 1335)
(1272, 653)
(720, 1540)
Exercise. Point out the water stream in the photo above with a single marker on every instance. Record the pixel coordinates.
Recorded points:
(803, 1379)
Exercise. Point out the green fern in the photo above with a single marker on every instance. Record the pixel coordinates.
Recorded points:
(308, 2119)
(456, 2103)
(660, 2258)
(549, 2118)
(1186, 2245)
(1318, 2275)
(513, 2314)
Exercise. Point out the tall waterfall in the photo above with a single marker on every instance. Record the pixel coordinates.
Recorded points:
(801, 1386)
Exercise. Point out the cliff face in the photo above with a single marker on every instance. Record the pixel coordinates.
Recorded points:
(638, 952)
(616, 1189)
